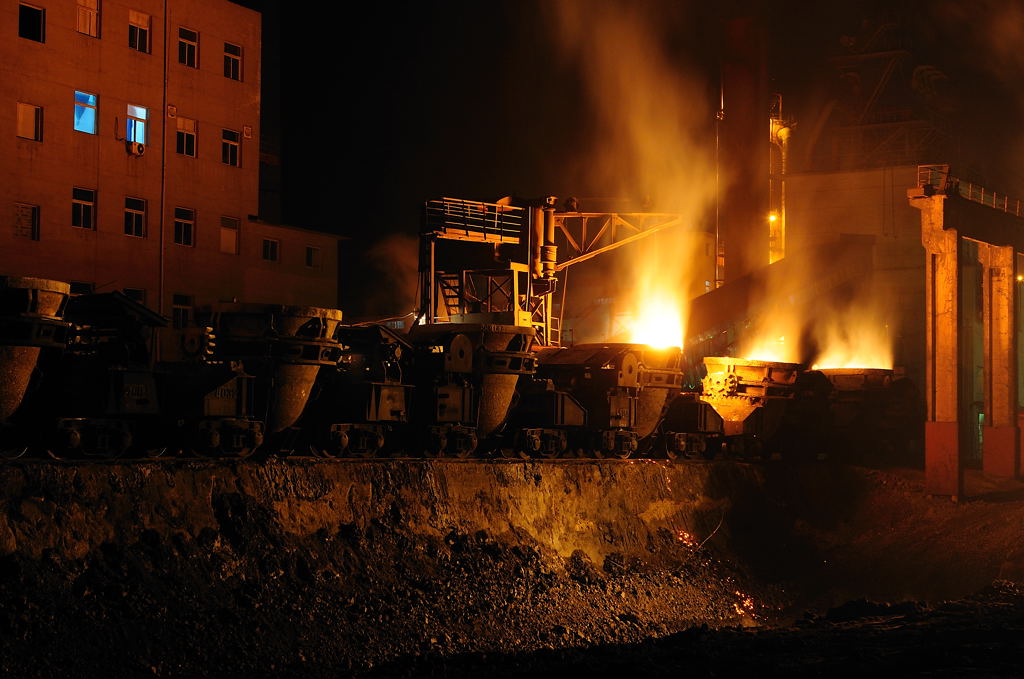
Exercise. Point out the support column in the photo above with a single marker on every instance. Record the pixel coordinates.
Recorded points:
(942, 464)
(1000, 435)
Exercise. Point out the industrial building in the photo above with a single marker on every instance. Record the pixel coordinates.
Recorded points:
(874, 212)
(131, 153)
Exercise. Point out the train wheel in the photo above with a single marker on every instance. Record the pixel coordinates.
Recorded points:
(241, 453)
(13, 453)
(153, 453)
(622, 454)
(508, 453)
(548, 454)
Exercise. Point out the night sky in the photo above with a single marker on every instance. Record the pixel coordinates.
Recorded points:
(393, 103)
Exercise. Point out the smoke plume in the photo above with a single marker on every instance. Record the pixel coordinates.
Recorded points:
(652, 139)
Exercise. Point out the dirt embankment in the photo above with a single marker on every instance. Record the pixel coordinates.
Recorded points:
(315, 569)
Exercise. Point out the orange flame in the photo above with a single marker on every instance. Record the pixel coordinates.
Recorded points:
(659, 322)
(775, 338)
(656, 148)
(858, 339)
(771, 348)
(745, 605)
(685, 538)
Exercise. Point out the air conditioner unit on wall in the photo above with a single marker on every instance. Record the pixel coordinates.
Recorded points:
(135, 148)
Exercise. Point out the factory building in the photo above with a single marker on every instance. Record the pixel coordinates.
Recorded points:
(130, 156)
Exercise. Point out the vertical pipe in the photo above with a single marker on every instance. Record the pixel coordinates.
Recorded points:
(536, 241)
(781, 243)
(719, 117)
(549, 250)
(433, 285)
(163, 168)
(549, 226)
(161, 246)
(561, 308)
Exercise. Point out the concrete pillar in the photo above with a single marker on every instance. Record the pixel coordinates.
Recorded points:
(1001, 435)
(943, 466)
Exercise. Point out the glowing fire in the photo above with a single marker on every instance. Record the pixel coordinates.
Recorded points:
(658, 323)
(775, 338)
(745, 605)
(771, 348)
(855, 345)
(685, 538)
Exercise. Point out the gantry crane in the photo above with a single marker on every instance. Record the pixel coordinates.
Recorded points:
(513, 278)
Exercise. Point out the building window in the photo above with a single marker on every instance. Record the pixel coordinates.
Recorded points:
(188, 47)
(30, 122)
(89, 17)
(135, 295)
(135, 130)
(138, 31)
(83, 208)
(26, 221)
(270, 249)
(229, 228)
(229, 147)
(181, 310)
(134, 217)
(312, 257)
(32, 22)
(85, 112)
(185, 139)
(184, 226)
(232, 61)
(81, 287)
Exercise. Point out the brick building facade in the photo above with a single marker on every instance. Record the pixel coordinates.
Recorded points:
(129, 156)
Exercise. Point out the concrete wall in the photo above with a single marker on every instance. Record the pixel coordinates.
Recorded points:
(44, 172)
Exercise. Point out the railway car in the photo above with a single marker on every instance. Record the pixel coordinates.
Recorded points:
(82, 380)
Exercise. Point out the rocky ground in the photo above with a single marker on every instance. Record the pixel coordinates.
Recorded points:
(782, 582)
(250, 601)
(978, 636)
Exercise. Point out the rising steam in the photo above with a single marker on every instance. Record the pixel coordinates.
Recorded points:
(393, 263)
(798, 319)
(652, 127)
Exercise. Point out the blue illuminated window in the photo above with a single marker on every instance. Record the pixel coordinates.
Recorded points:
(136, 129)
(85, 112)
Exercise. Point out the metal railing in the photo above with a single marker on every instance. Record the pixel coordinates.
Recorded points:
(938, 177)
(475, 221)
